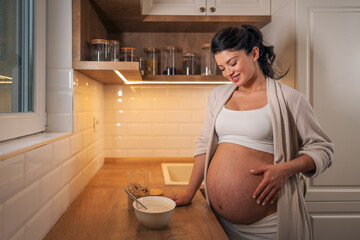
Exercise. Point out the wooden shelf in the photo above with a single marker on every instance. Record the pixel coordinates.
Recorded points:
(198, 79)
(104, 73)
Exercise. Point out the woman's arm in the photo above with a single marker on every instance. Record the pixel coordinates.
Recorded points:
(275, 176)
(197, 176)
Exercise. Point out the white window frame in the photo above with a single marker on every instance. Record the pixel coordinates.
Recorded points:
(14, 125)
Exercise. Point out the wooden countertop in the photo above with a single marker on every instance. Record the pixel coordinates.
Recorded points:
(100, 211)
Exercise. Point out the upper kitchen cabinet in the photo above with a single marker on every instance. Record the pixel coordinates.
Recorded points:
(123, 20)
(207, 7)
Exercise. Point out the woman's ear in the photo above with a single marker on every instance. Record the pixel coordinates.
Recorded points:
(255, 53)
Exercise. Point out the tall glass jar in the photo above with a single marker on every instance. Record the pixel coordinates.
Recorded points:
(151, 62)
(138, 184)
(114, 52)
(189, 64)
(171, 61)
(208, 64)
(128, 54)
(99, 50)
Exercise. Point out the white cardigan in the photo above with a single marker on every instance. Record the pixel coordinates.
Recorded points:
(296, 132)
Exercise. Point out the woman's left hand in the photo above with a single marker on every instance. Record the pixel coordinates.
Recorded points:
(274, 178)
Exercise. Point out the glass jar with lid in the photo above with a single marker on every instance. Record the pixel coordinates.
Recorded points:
(151, 62)
(141, 65)
(114, 50)
(128, 54)
(99, 50)
(208, 64)
(171, 60)
(189, 64)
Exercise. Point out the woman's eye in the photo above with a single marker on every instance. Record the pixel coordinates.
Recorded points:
(233, 64)
(221, 69)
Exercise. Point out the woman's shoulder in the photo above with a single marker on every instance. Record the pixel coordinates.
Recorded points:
(220, 94)
(290, 94)
(222, 89)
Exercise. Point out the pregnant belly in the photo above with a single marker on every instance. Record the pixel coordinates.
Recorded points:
(230, 184)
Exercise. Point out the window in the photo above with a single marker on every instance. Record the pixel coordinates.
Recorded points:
(22, 67)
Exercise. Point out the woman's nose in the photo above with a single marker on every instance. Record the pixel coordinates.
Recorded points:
(229, 71)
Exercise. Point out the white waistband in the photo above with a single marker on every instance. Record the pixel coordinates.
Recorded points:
(266, 225)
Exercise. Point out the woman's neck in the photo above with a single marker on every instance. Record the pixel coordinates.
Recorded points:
(256, 84)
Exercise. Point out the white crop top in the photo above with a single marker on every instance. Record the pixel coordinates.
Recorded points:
(251, 128)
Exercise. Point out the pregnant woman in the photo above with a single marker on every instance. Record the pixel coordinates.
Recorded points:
(258, 136)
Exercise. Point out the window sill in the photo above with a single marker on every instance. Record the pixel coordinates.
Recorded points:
(17, 146)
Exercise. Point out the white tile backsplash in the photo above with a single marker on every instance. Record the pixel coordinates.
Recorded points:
(188, 129)
(163, 103)
(88, 137)
(83, 158)
(178, 116)
(152, 142)
(50, 185)
(165, 129)
(12, 176)
(140, 118)
(59, 79)
(59, 34)
(69, 169)
(152, 116)
(144, 129)
(35, 186)
(179, 142)
(61, 151)
(91, 151)
(77, 184)
(19, 208)
(60, 122)
(38, 162)
(59, 101)
(60, 202)
(76, 143)
(40, 224)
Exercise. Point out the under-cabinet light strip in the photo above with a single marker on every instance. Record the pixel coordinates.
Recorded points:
(5, 82)
(5, 77)
(167, 82)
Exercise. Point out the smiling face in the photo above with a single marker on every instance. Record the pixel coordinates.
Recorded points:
(238, 67)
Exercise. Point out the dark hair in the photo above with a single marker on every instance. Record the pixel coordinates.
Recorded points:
(246, 38)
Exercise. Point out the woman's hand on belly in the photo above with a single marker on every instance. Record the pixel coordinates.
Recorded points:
(274, 178)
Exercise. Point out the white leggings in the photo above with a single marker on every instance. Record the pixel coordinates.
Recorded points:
(265, 229)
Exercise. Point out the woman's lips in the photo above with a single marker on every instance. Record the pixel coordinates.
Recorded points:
(234, 79)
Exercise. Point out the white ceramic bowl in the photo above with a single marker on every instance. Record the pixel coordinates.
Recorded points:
(159, 213)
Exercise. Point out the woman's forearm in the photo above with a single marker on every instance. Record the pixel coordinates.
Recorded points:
(197, 174)
(304, 163)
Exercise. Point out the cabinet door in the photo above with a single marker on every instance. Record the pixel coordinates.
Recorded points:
(174, 7)
(206, 7)
(238, 7)
(328, 74)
